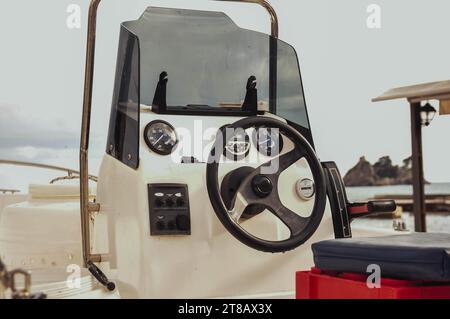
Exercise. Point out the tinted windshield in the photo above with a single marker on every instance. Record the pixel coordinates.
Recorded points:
(209, 59)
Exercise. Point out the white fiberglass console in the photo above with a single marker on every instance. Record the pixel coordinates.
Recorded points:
(187, 208)
(210, 186)
(157, 257)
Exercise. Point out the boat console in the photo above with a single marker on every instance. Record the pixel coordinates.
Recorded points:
(210, 160)
(210, 185)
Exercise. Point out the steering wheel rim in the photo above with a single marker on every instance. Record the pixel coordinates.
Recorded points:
(224, 215)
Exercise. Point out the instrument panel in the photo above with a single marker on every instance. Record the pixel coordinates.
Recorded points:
(162, 138)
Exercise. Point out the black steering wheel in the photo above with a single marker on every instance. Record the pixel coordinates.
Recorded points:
(260, 187)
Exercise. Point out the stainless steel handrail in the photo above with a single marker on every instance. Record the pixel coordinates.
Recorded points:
(71, 177)
(69, 171)
(86, 206)
(270, 10)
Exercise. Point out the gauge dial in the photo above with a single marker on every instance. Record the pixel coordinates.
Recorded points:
(269, 142)
(238, 147)
(161, 137)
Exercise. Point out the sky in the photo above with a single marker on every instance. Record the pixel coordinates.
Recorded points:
(344, 64)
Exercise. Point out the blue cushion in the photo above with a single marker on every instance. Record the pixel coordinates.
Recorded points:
(418, 256)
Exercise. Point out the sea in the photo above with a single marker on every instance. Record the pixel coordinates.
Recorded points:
(438, 223)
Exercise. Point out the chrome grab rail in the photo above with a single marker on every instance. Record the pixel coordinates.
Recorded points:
(71, 177)
(86, 206)
(270, 10)
(70, 172)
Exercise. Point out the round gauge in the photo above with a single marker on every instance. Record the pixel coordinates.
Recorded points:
(269, 142)
(161, 137)
(238, 147)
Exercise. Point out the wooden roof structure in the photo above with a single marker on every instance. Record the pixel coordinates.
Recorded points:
(439, 91)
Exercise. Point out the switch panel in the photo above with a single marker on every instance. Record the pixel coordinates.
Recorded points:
(169, 209)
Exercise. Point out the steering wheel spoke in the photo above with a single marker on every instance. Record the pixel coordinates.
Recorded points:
(244, 197)
(239, 205)
(279, 164)
(294, 222)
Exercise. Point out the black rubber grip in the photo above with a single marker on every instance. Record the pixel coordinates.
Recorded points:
(385, 206)
(100, 276)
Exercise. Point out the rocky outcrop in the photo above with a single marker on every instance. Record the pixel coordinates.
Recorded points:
(382, 173)
(362, 174)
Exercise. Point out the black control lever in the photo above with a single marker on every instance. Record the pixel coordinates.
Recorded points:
(100, 276)
(357, 210)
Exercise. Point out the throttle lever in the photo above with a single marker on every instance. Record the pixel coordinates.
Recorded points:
(357, 210)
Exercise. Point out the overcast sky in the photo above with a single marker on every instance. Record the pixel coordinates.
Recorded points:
(344, 64)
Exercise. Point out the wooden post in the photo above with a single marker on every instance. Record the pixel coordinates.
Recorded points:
(417, 168)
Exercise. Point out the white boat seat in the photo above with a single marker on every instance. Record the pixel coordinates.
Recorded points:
(43, 231)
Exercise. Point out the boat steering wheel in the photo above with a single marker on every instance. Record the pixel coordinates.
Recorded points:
(260, 187)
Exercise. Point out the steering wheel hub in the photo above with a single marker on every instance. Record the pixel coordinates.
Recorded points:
(262, 186)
